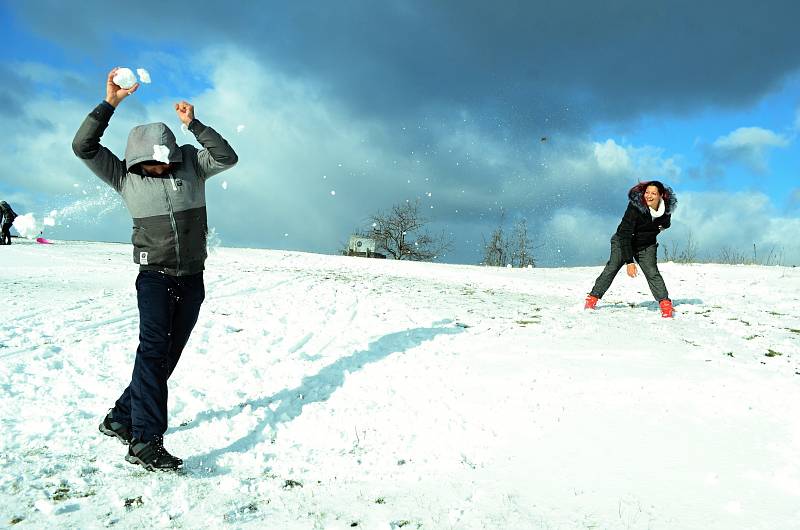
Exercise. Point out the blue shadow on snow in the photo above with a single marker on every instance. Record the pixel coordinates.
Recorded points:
(653, 305)
(313, 389)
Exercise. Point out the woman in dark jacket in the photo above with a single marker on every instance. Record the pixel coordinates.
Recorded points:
(649, 210)
(8, 215)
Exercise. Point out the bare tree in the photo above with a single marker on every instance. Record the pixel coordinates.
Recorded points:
(516, 250)
(495, 251)
(689, 254)
(521, 246)
(731, 256)
(686, 255)
(400, 233)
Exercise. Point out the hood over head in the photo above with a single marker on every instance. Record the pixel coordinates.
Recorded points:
(151, 142)
(636, 197)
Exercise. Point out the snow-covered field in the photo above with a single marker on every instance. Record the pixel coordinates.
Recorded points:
(325, 392)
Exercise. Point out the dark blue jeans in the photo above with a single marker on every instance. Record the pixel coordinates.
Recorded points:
(168, 309)
(647, 260)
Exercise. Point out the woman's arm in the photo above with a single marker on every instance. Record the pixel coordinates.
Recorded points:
(625, 232)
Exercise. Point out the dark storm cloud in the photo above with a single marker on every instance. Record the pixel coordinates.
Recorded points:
(518, 62)
(470, 108)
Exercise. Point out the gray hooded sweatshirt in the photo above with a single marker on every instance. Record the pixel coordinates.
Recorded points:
(168, 211)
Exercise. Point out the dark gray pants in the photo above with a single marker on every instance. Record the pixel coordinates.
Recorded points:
(646, 258)
(6, 234)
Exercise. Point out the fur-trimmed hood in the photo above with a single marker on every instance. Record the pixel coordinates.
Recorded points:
(636, 197)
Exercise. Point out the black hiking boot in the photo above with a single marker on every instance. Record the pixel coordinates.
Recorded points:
(109, 427)
(152, 456)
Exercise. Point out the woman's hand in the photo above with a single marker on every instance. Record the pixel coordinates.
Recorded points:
(115, 93)
(632, 272)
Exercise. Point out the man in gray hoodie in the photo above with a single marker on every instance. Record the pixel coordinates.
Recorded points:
(163, 186)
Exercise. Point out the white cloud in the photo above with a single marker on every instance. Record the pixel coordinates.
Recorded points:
(612, 157)
(578, 235)
(43, 159)
(750, 138)
(794, 197)
(640, 163)
(749, 146)
(650, 164)
(735, 220)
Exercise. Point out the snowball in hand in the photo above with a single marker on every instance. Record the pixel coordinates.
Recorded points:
(124, 78)
(144, 75)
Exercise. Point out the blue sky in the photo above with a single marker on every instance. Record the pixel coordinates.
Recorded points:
(442, 102)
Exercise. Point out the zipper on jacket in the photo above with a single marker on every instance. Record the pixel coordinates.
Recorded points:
(174, 227)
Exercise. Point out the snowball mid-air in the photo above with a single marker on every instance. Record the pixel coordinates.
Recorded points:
(144, 75)
(161, 153)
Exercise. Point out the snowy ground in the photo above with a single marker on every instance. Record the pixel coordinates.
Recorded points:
(324, 392)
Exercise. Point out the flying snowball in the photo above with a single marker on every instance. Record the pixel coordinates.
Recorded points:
(161, 153)
(124, 78)
(239, 128)
(224, 184)
(333, 192)
(144, 75)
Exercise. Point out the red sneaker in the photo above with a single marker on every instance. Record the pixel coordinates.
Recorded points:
(591, 301)
(666, 308)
